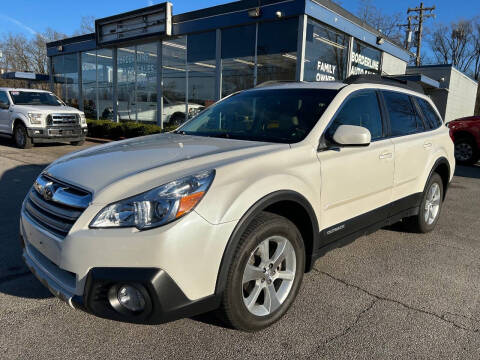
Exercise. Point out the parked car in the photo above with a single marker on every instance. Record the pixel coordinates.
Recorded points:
(229, 211)
(465, 133)
(35, 116)
(173, 111)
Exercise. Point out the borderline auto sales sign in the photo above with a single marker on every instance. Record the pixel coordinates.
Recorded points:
(366, 62)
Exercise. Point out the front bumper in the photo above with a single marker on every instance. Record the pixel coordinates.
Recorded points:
(177, 265)
(165, 300)
(57, 133)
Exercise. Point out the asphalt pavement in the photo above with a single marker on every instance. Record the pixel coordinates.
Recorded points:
(392, 294)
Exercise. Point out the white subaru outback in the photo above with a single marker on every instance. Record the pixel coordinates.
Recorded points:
(230, 210)
(38, 116)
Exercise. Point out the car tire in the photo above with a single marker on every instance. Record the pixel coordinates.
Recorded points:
(466, 151)
(177, 119)
(78, 143)
(261, 278)
(21, 138)
(430, 207)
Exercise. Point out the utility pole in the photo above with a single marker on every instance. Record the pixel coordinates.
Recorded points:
(408, 37)
(420, 17)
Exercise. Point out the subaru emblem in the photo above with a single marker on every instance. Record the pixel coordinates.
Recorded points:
(48, 191)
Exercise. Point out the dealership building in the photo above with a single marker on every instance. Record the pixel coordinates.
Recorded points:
(151, 66)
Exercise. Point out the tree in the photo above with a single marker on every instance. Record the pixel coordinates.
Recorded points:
(22, 54)
(455, 44)
(87, 25)
(385, 23)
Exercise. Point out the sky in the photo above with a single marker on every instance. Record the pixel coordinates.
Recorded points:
(31, 16)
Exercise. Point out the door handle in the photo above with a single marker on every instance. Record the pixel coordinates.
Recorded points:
(386, 155)
(427, 145)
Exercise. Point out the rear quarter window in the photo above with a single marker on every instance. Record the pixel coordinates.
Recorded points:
(404, 119)
(430, 115)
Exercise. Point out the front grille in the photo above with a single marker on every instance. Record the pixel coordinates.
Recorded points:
(63, 120)
(54, 205)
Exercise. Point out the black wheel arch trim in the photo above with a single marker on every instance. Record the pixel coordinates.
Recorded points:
(254, 210)
(440, 161)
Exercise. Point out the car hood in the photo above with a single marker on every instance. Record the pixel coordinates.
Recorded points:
(44, 108)
(98, 167)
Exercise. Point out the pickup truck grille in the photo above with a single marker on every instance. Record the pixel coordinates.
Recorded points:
(63, 120)
(54, 205)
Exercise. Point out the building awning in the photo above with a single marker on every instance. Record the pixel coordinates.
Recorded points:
(20, 75)
(425, 81)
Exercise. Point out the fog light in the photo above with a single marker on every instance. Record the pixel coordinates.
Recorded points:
(131, 298)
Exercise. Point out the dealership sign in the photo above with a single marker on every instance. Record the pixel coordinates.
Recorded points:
(147, 22)
(325, 71)
(368, 65)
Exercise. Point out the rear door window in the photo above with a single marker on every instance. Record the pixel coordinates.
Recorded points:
(430, 115)
(404, 119)
(360, 109)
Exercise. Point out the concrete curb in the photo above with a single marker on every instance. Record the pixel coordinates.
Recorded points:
(98, 140)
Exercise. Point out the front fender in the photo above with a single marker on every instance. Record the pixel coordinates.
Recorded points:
(240, 185)
(19, 117)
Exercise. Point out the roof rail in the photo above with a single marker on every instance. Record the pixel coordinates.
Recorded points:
(385, 80)
(275, 82)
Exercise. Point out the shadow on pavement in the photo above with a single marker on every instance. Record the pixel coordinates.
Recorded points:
(472, 171)
(6, 140)
(15, 278)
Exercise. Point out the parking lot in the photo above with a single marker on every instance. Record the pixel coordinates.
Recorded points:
(387, 295)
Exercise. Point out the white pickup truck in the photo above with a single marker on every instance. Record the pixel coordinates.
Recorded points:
(35, 116)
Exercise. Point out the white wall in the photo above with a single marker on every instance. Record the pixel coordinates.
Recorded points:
(392, 65)
(457, 97)
(462, 96)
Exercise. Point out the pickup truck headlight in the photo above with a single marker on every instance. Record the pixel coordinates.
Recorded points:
(35, 118)
(158, 206)
(193, 112)
(83, 119)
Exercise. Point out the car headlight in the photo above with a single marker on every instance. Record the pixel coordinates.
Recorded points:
(35, 118)
(158, 206)
(83, 119)
(193, 112)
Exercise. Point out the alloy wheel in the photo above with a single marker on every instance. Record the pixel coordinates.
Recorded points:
(463, 151)
(20, 137)
(432, 204)
(268, 275)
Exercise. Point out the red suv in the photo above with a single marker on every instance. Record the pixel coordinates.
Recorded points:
(465, 133)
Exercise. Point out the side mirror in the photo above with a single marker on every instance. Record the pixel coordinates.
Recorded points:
(351, 135)
(4, 106)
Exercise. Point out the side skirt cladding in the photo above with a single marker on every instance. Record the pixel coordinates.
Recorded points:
(346, 232)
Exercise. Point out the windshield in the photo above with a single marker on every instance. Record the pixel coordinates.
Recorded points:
(277, 115)
(34, 98)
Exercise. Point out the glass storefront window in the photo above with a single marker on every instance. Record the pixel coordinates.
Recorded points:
(105, 83)
(58, 77)
(146, 82)
(277, 50)
(174, 57)
(326, 53)
(201, 71)
(238, 59)
(65, 69)
(126, 84)
(365, 59)
(89, 83)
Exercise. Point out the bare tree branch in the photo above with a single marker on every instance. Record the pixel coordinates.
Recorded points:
(385, 23)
